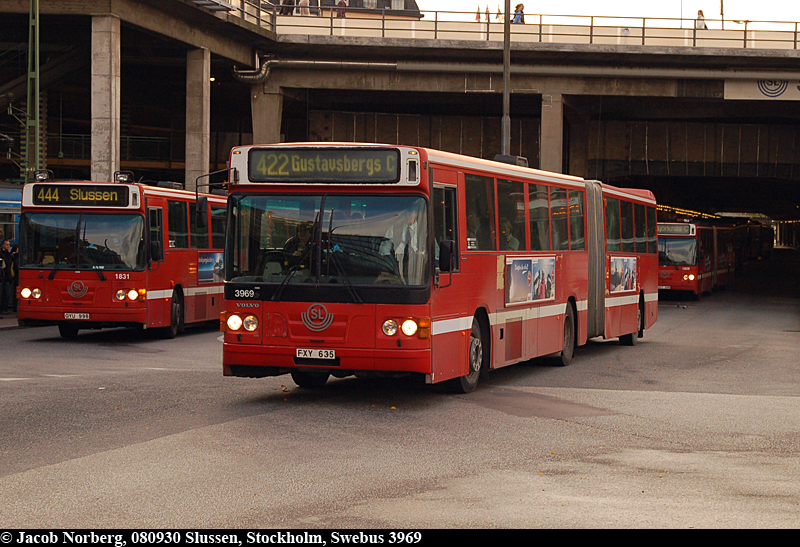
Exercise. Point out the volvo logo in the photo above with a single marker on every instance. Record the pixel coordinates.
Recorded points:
(77, 289)
(317, 318)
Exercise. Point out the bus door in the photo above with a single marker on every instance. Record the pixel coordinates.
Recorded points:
(158, 301)
(450, 316)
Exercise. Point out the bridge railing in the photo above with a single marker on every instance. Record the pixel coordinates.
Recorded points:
(541, 28)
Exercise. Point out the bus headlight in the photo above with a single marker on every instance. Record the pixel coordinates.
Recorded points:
(409, 327)
(25, 293)
(120, 294)
(689, 277)
(132, 294)
(250, 323)
(36, 293)
(234, 322)
(389, 327)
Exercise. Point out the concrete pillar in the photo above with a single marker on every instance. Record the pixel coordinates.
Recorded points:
(266, 106)
(198, 117)
(551, 143)
(105, 96)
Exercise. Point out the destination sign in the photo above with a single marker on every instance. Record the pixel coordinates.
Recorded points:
(98, 195)
(316, 165)
(675, 229)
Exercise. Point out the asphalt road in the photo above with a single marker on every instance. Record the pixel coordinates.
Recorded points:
(696, 426)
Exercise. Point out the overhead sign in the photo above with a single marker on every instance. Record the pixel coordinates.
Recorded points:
(80, 195)
(675, 229)
(763, 90)
(336, 165)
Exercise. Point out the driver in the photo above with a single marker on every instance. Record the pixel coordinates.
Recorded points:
(298, 245)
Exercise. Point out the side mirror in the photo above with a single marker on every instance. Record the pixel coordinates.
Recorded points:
(156, 252)
(202, 212)
(446, 255)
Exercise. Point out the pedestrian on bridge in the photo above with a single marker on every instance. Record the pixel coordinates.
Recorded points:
(700, 23)
(341, 8)
(519, 15)
(302, 7)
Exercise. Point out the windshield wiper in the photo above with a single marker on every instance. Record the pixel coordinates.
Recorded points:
(279, 291)
(333, 258)
(55, 267)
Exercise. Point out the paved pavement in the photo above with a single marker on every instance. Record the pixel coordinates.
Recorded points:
(8, 321)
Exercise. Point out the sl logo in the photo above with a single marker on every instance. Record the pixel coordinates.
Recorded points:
(317, 318)
(77, 289)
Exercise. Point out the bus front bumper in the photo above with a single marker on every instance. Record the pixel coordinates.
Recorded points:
(258, 361)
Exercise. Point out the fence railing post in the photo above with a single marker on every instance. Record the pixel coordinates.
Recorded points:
(591, 30)
(644, 26)
(541, 19)
(436, 26)
(745, 35)
(383, 22)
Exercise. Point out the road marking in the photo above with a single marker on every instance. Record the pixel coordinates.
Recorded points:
(12, 379)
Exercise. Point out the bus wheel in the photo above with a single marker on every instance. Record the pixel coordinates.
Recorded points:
(632, 338)
(309, 380)
(477, 360)
(68, 332)
(175, 317)
(565, 357)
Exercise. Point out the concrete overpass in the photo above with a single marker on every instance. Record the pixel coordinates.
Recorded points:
(708, 119)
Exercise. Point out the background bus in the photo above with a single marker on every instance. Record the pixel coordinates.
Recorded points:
(350, 259)
(695, 257)
(10, 199)
(96, 255)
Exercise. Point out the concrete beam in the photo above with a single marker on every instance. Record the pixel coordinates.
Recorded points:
(198, 116)
(267, 110)
(551, 143)
(105, 71)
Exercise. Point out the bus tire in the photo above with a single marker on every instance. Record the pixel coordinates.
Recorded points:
(565, 356)
(68, 332)
(632, 338)
(477, 360)
(175, 317)
(309, 380)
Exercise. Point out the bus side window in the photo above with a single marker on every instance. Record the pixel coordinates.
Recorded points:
(156, 233)
(652, 244)
(559, 221)
(626, 221)
(481, 225)
(445, 225)
(511, 211)
(199, 236)
(641, 228)
(219, 218)
(539, 211)
(177, 225)
(612, 224)
(577, 240)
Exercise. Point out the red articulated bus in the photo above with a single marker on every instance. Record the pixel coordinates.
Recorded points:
(364, 259)
(695, 257)
(120, 254)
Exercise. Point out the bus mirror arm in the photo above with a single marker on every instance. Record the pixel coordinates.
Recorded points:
(155, 251)
(446, 259)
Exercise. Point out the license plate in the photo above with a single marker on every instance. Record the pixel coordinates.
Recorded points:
(76, 316)
(316, 353)
(663, 287)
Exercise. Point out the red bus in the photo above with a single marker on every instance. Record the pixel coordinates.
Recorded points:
(95, 255)
(363, 259)
(695, 257)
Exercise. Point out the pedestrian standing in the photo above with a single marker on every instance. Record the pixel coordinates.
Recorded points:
(14, 276)
(6, 295)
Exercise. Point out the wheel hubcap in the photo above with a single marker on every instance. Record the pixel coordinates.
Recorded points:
(475, 355)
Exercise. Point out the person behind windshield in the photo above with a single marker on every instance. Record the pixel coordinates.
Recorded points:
(298, 245)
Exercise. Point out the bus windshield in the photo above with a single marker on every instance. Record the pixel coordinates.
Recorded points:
(82, 241)
(353, 239)
(677, 251)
